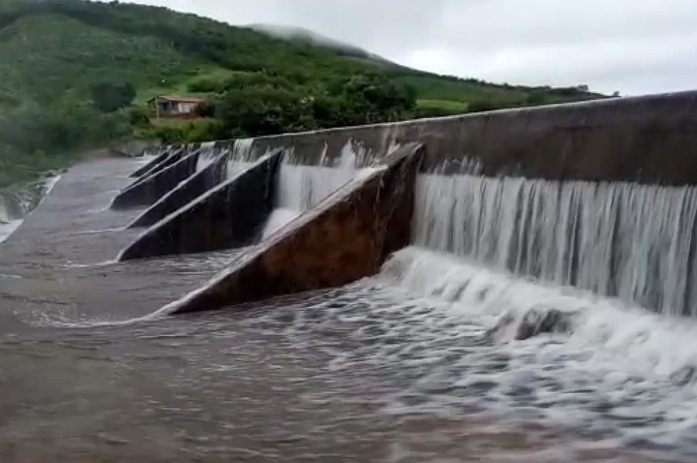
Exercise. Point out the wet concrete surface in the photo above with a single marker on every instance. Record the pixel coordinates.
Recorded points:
(61, 261)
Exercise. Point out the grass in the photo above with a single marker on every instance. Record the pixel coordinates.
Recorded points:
(181, 86)
(446, 106)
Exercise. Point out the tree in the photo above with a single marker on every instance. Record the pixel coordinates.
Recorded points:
(369, 98)
(264, 110)
(109, 96)
(482, 105)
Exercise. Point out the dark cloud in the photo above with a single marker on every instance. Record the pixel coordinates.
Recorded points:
(635, 46)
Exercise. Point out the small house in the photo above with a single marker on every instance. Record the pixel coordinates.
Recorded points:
(174, 107)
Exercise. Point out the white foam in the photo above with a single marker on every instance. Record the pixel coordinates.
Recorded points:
(7, 228)
(639, 364)
(629, 337)
(278, 219)
(618, 239)
(302, 187)
(62, 319)
(16, 206)
(105, 263)
(240, 158)
(235, 168)
(10, 277)
(208, 154)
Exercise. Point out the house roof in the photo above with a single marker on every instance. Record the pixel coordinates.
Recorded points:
(177, 99)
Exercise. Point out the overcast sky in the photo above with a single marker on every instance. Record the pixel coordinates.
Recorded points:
(634, 46)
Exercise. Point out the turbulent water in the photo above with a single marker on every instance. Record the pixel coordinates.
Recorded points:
(529, 321)
(626, 350)
(301, 187)
(17, 202)
(240, 158)
(482, 338)
(207, 154)
(619, 239)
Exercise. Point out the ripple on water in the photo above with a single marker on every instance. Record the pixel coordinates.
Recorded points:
(427, 358)
(612, 372)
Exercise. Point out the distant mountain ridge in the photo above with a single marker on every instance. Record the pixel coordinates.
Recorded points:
(161, 51)
(256, 80)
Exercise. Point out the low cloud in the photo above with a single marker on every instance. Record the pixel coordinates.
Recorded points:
(634, 46)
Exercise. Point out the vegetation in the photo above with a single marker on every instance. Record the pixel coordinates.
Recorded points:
(35, 138)
(77, 74)
(110, 96)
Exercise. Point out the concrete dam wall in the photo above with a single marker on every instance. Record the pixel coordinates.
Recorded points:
(647, 139)
(382, 295)
(596, 195)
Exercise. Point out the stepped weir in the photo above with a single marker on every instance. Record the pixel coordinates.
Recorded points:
(539, 263)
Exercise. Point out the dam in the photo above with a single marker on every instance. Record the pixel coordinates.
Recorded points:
(504, 286)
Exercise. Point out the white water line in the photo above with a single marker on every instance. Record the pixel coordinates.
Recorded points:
(618, 239)
(23, 206)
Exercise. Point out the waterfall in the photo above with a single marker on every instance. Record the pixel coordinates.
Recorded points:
(17, 203)
(616, 239)
(301, 187)
(240, 157)
(10, 215)
(208, 154)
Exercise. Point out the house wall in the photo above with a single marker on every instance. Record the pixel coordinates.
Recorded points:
(168, 108)
(186, 107)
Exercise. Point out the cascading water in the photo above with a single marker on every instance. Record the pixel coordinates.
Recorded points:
(302, 187)
(240, 158)
(207, 155)
(582, 358)
(16, 203)
(616, 239)
(10, 216)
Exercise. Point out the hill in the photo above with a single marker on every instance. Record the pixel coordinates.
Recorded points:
(70, 55)
(162, 49)
(59, 57)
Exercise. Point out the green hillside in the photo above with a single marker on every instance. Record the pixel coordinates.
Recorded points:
(76, 74)
(68, 54)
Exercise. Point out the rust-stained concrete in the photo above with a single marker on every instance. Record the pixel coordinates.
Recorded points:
(347, 237)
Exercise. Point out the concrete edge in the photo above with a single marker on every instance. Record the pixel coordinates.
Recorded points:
(348, 236)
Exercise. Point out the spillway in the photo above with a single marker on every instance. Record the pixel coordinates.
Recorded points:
(301, 187)
(507, 286)
(208, 153)
(627, 240)
(240, 157)
(17, 203)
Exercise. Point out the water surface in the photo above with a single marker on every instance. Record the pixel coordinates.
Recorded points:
(436, 359)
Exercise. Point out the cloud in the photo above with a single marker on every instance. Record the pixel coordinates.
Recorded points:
(634, 46)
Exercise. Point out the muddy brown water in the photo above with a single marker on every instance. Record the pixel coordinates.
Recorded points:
(316, 377)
